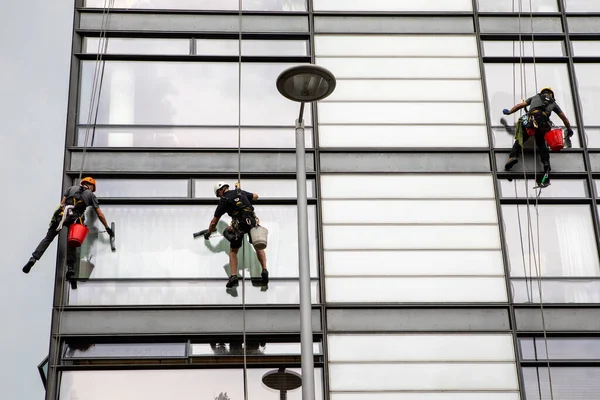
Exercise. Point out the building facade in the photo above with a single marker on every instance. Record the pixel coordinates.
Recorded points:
(436, 275)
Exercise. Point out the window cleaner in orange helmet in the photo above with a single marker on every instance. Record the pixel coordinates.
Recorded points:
(79, 198)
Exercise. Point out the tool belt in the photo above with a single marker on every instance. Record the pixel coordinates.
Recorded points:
(538, 120)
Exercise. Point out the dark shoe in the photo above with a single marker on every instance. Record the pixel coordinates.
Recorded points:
(232, 282)
(510, 163)
(265, 276)
(70, 275)
(29, 264)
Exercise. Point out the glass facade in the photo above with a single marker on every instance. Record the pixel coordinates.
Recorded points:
(429, 262)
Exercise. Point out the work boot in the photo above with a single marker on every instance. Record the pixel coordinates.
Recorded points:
(29, 264)
(265, 276)
(510, 163)
(232, 282)
(70, 275)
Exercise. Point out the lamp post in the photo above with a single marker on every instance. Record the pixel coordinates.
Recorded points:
(304, 84)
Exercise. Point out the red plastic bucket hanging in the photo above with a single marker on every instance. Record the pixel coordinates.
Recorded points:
(77, 234)
(555, 139)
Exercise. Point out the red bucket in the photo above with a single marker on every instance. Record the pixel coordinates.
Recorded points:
(555, 139)
(77, 234)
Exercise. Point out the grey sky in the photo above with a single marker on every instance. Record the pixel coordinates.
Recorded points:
(35, 42)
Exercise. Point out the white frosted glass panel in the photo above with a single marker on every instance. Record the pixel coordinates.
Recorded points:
(582, 5)
(401, 113)
(141, 188)
(495, 48)
(559, 188)
(398, 67)
(405, 46)
(585, 48)
(156, 242)
(362, 377)
(415, 290)
(250, 5)
(407, 263)
(229, 47)
(390, 186)
(425, 396)
(393, 5)
(567, 241)
(517, 5)
(265, 188)
(138, 46)
(409, 211)
(410, 237)
(402, 136)
(589, 90)
(407, 90)
(409, 348)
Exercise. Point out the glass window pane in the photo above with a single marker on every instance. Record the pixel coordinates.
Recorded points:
(106, 293)
(572, 383)
(399, 67)
(409, 348)
(390, 136)
(567, 240)
(517, 5)
(425, 396)
(409, 211)
(172, 252)
(176, 384)
(397, 46)
(495, 48)
(504, 137)
(586, 48)
(180, 137)
(128, 350)
(582, 6)
(556, 291)
(407, 263)
(423, 377)
(560, 348)
(392, 5)
(229, 47)
(267, 349)
(415, 290)
(559, 188)
(140, 187)
(504, 85)
(400, 237)
(250, 5)
(265, 188)
(589, 90)
(592, 136)
(401, 113)
(390, 186)
(137, 46)
(407, 90)
(187, 93)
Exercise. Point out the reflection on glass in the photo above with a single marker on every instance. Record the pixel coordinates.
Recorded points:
(517, 5)
(265, 188)
(392, 5)
(567, 241)
(230, 47)
(504, 137)
(559, 188)
(582, 5)
(125, 350)
(254, 347)
(282, 138)
(560, 348)
(586, 48)
(589, 90)
(556, 291)
(503, 82)
(137, 46)
(156, 242)
(179, 292)
(495, 48)
(179, 384)
(186, 93)
(249, 5)
(140, 187)
(568, 383)
(592, 136)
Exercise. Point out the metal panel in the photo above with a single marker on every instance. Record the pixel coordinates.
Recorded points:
(194, 23)
(558, 319)
(405, 162)
(418, 319)
(136, 322)
(512, 24)
(190, 162)
(416, 24)
(560, 162)
(595, 162)
(583, 24)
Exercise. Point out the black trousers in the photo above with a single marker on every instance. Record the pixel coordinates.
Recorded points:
(540, 141)
(50, 235)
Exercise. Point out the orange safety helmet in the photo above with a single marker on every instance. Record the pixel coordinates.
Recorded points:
(90, 180)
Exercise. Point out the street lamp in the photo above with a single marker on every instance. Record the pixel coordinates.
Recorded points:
(304, 84)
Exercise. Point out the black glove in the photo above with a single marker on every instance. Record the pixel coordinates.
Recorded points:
(569, 132)
(110, 232)
(206, 234)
